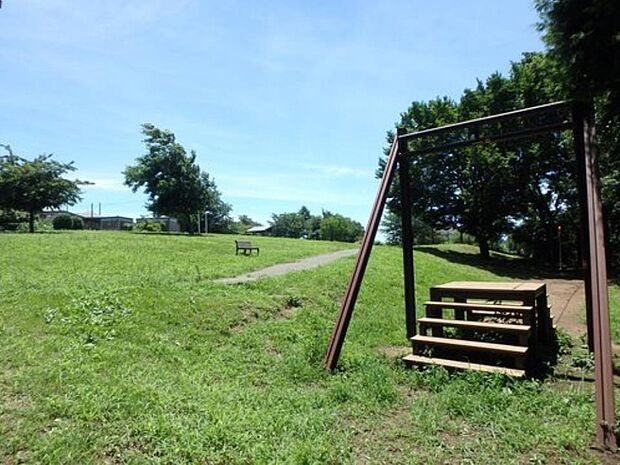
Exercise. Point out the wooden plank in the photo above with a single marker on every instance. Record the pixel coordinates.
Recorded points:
(504, 349)
(477, 325)
(491, 286)
(467, 306)
(490, 313)
(421, 360)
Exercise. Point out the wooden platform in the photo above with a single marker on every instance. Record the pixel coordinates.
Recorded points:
(497, 326)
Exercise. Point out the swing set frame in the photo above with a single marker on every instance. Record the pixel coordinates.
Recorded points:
(577, 116)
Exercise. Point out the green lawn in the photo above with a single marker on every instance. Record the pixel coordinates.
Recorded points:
(118, 348)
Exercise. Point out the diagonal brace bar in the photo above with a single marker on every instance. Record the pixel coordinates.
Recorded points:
(348, 303)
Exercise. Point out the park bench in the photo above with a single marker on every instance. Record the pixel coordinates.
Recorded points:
(245, 247)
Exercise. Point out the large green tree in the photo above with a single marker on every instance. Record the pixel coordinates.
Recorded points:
(173, 181)
(471, 189)
(290, 224)
(432, 191)
(33, 185)
(584, 37)
(327, 226)
(546, 167)
(335, 227)
(218, 211)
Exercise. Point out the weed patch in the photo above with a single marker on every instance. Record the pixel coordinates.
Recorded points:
(91, 318)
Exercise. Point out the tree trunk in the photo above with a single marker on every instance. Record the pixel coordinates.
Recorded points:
(483, 243)
(31, 221)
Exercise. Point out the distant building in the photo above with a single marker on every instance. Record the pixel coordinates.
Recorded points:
(108, 223)
(168, 223)
(95, 222)
(259, 230)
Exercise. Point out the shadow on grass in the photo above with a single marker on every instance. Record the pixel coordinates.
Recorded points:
(514, 268)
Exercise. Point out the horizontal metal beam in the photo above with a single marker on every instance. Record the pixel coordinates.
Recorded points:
(507, 136)
(539, 109)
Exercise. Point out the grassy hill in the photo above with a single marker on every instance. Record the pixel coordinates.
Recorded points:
(119, 348)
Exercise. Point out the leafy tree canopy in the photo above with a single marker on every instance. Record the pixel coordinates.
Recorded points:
(584, 35)
(327, 226)
(340, 228)
(174, 183)
(33, 185)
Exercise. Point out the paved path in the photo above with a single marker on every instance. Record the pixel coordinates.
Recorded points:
(283, 268)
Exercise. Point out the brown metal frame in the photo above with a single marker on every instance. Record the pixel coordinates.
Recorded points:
(559, 116)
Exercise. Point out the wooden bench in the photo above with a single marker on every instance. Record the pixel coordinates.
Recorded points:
(245, 246)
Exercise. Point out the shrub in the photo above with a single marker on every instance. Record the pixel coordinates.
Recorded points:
(77, 223)
(11, 219)
(67, 221)
(63, 221)
(148, 226)
(39, 226)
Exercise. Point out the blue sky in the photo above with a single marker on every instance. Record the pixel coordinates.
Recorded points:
(286, 102)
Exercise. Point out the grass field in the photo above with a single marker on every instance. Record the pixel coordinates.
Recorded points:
(118, 348)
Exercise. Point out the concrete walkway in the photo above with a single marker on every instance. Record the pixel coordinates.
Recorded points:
(283, 268)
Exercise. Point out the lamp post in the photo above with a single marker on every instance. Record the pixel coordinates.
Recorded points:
(560, 247)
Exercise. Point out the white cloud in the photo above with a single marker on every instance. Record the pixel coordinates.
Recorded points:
(337, 171)
(293, 187)
(108, 184)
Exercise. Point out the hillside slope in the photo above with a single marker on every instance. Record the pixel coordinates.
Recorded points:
(120, 359)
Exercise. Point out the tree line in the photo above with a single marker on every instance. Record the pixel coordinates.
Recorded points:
(523, 195)
(327, 226)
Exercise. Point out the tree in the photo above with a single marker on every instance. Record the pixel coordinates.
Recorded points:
(467, 189)
(340, 228)
(584, 36)
(218, 214)
(288, 225)
(174, 182)
(545, 166)
(392, 228)
(484, 175)
(33, 185)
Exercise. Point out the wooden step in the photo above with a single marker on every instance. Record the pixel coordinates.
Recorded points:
(489, 313)
(421, 360)
(476, 325)
(485, 307)
(503, 349)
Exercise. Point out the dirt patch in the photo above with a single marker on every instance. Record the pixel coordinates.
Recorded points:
(568, 307)
(395, 351)
(287, 312)
(607, 458)
(568, 299)
(251, 315)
